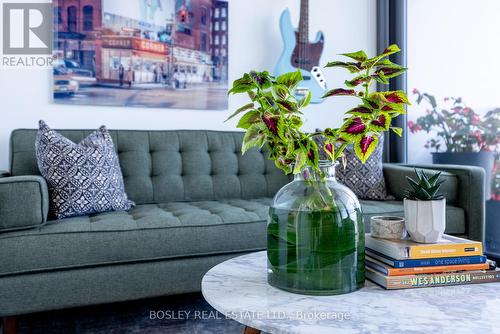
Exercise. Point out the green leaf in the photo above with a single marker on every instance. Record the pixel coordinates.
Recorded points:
(359, 55)
(248, 119)
(287, 106)
(361, 111)
(397, 96)
(282, 129)
(357, 81)
(353, 128)
(391, 49)
(300, 161)
(380, 77)
(281, 91)
(296, 121)
(397, 130)
(242, 85)
(290, 79)
(239, 110)
(352, 67)
(381, 123)
(304, 102)
(339, 92)
(364, 146)
(268, 101)
(253, 137)
(252, 95)
(340, 151)
(391, 72)
(262, 80)
(434, 178)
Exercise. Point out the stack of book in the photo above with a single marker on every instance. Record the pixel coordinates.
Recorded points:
(405, 264)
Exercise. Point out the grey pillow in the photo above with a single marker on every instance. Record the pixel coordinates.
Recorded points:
(83, 178)
(365, 180)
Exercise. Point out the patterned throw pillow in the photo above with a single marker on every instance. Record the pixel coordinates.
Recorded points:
(365, 180)
(83, 178)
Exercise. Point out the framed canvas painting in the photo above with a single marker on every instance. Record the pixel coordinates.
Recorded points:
(141, 53)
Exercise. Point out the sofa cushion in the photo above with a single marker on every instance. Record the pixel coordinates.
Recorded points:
(144, 233)
(455, 217)
(158, 231)
(366, 180)
(84, 177)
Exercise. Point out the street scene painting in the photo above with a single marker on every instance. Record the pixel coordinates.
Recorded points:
(141, 53)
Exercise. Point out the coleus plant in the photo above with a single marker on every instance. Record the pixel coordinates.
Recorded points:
(273, 116)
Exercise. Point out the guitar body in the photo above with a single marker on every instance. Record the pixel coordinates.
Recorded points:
(304, 56)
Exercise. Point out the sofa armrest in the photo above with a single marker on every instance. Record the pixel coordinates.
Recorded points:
(464, 188)
(24, 202)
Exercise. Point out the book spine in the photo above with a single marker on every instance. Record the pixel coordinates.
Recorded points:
(426, 270)
(462, 260)
(424, 281)
(438, 251)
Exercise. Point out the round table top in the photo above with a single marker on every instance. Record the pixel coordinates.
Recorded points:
(238, 289)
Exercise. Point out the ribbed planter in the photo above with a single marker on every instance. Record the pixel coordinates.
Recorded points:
(425, 221)
(479, 159)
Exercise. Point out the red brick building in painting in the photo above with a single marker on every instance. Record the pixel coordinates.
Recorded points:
(77, 26)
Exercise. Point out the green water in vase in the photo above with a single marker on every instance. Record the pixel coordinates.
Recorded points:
(317, 252)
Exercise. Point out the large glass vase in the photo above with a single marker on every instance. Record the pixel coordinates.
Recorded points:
(315, 235)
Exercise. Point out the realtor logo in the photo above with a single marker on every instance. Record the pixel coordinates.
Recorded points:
(27, 28)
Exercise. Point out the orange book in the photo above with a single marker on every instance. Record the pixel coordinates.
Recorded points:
(390, 271)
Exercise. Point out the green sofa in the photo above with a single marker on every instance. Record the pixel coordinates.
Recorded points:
(199, 202)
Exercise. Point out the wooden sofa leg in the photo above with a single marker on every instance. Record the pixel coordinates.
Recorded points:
(9, 325)
(250, 330)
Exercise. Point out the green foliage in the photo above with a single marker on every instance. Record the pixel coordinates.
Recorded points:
(273, 117)
(458, 128)
(425, 188)
(365, 123)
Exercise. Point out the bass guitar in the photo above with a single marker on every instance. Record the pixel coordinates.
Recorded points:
(300, 53)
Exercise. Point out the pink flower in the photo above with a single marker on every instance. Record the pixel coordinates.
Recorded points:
(475, 119)
(415, 91)
(467, 110)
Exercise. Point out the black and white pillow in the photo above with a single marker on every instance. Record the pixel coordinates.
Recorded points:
(83, 178)
(365, 180)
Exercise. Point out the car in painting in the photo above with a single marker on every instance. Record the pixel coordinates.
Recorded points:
(64, 84)
(81, 75)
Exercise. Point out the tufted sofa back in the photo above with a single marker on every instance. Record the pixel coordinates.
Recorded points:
(176, 165)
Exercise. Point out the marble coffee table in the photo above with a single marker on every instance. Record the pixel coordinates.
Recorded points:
(238, 289)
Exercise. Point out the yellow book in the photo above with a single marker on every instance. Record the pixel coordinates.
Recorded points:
(447, 246)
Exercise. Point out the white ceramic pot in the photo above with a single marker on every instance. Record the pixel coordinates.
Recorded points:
(425, 221)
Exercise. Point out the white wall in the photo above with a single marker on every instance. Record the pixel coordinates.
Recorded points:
(453, 50)
(254, 43)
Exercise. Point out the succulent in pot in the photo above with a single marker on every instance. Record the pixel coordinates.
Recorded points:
(425, 208)
(315, 230)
